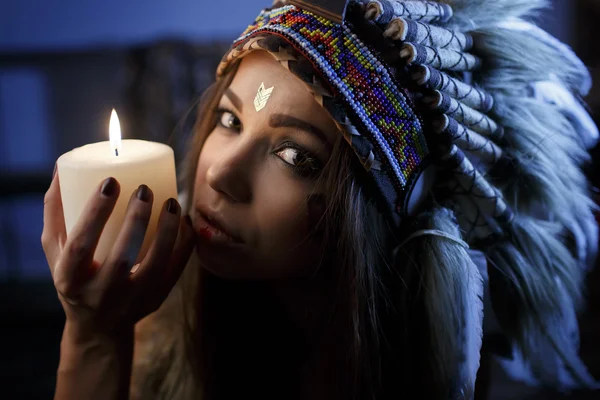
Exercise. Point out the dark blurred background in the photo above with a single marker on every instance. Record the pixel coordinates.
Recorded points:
(64, 64)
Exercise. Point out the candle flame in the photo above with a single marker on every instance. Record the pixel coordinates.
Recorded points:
(114, 131)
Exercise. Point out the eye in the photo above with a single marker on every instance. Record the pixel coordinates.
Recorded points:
(228, 120)
(300, 160)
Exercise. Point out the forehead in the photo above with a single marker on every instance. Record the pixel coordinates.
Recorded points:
(289, 95)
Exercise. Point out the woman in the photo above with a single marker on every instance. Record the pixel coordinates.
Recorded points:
(364, 178)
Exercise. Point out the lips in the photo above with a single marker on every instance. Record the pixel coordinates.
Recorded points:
(212, 227)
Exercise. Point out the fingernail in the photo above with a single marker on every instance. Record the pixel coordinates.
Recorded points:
(54, 172)
(143, 193)
(109, 187)
(172, 206)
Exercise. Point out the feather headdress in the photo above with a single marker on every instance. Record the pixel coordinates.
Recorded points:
(468, 102)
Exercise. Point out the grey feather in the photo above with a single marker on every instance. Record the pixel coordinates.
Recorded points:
(532, 272)
(453, 297)
(473, 14)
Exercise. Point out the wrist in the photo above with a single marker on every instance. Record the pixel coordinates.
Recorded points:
(94, 365)
(79, 335)
(81, 346)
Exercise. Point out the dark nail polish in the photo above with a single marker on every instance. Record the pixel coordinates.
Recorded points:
(172, 206)
(143, 193)
(109, 187)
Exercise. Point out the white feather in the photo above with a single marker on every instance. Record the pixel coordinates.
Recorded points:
(553, 92)
(473, 326)
(565, 51)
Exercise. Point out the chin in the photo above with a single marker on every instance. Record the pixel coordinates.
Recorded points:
(226, 269)
(246, 268)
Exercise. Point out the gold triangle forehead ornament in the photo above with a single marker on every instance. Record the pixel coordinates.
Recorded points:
(262, 96)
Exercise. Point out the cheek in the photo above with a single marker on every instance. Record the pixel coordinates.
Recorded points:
(286, 218)
(207, 153)
(315, 207)
(281, 208)
(200, 172)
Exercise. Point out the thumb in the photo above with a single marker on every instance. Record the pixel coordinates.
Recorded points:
(182, 252)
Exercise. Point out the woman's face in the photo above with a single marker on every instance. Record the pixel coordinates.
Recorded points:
(255, 175)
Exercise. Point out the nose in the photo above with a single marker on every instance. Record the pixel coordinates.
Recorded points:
(231, 172)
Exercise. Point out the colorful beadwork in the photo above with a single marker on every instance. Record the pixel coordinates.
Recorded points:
(361, 80)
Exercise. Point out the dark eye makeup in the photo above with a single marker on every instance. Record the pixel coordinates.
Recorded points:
(302, 161)
(227, 119)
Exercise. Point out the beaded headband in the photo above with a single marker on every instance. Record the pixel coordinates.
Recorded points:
(395, 151)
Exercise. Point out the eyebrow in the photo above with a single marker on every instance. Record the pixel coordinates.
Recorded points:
(287, 121)
(235, 100)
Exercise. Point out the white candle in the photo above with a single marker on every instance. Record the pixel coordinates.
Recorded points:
(131, 163)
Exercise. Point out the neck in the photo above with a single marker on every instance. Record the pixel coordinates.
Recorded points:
(287, 324)
(306, 306)
(309, 307)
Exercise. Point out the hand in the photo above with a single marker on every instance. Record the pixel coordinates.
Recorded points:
(100, 299)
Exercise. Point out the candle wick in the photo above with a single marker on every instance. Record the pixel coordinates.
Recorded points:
(117, 152)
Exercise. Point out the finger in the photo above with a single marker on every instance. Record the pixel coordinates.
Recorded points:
(156, 288)
(54, 233)
(83, 238)
(161, 249)
(181, 254)
(131, 237)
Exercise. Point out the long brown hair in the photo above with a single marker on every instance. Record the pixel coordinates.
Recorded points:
(200, 344)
